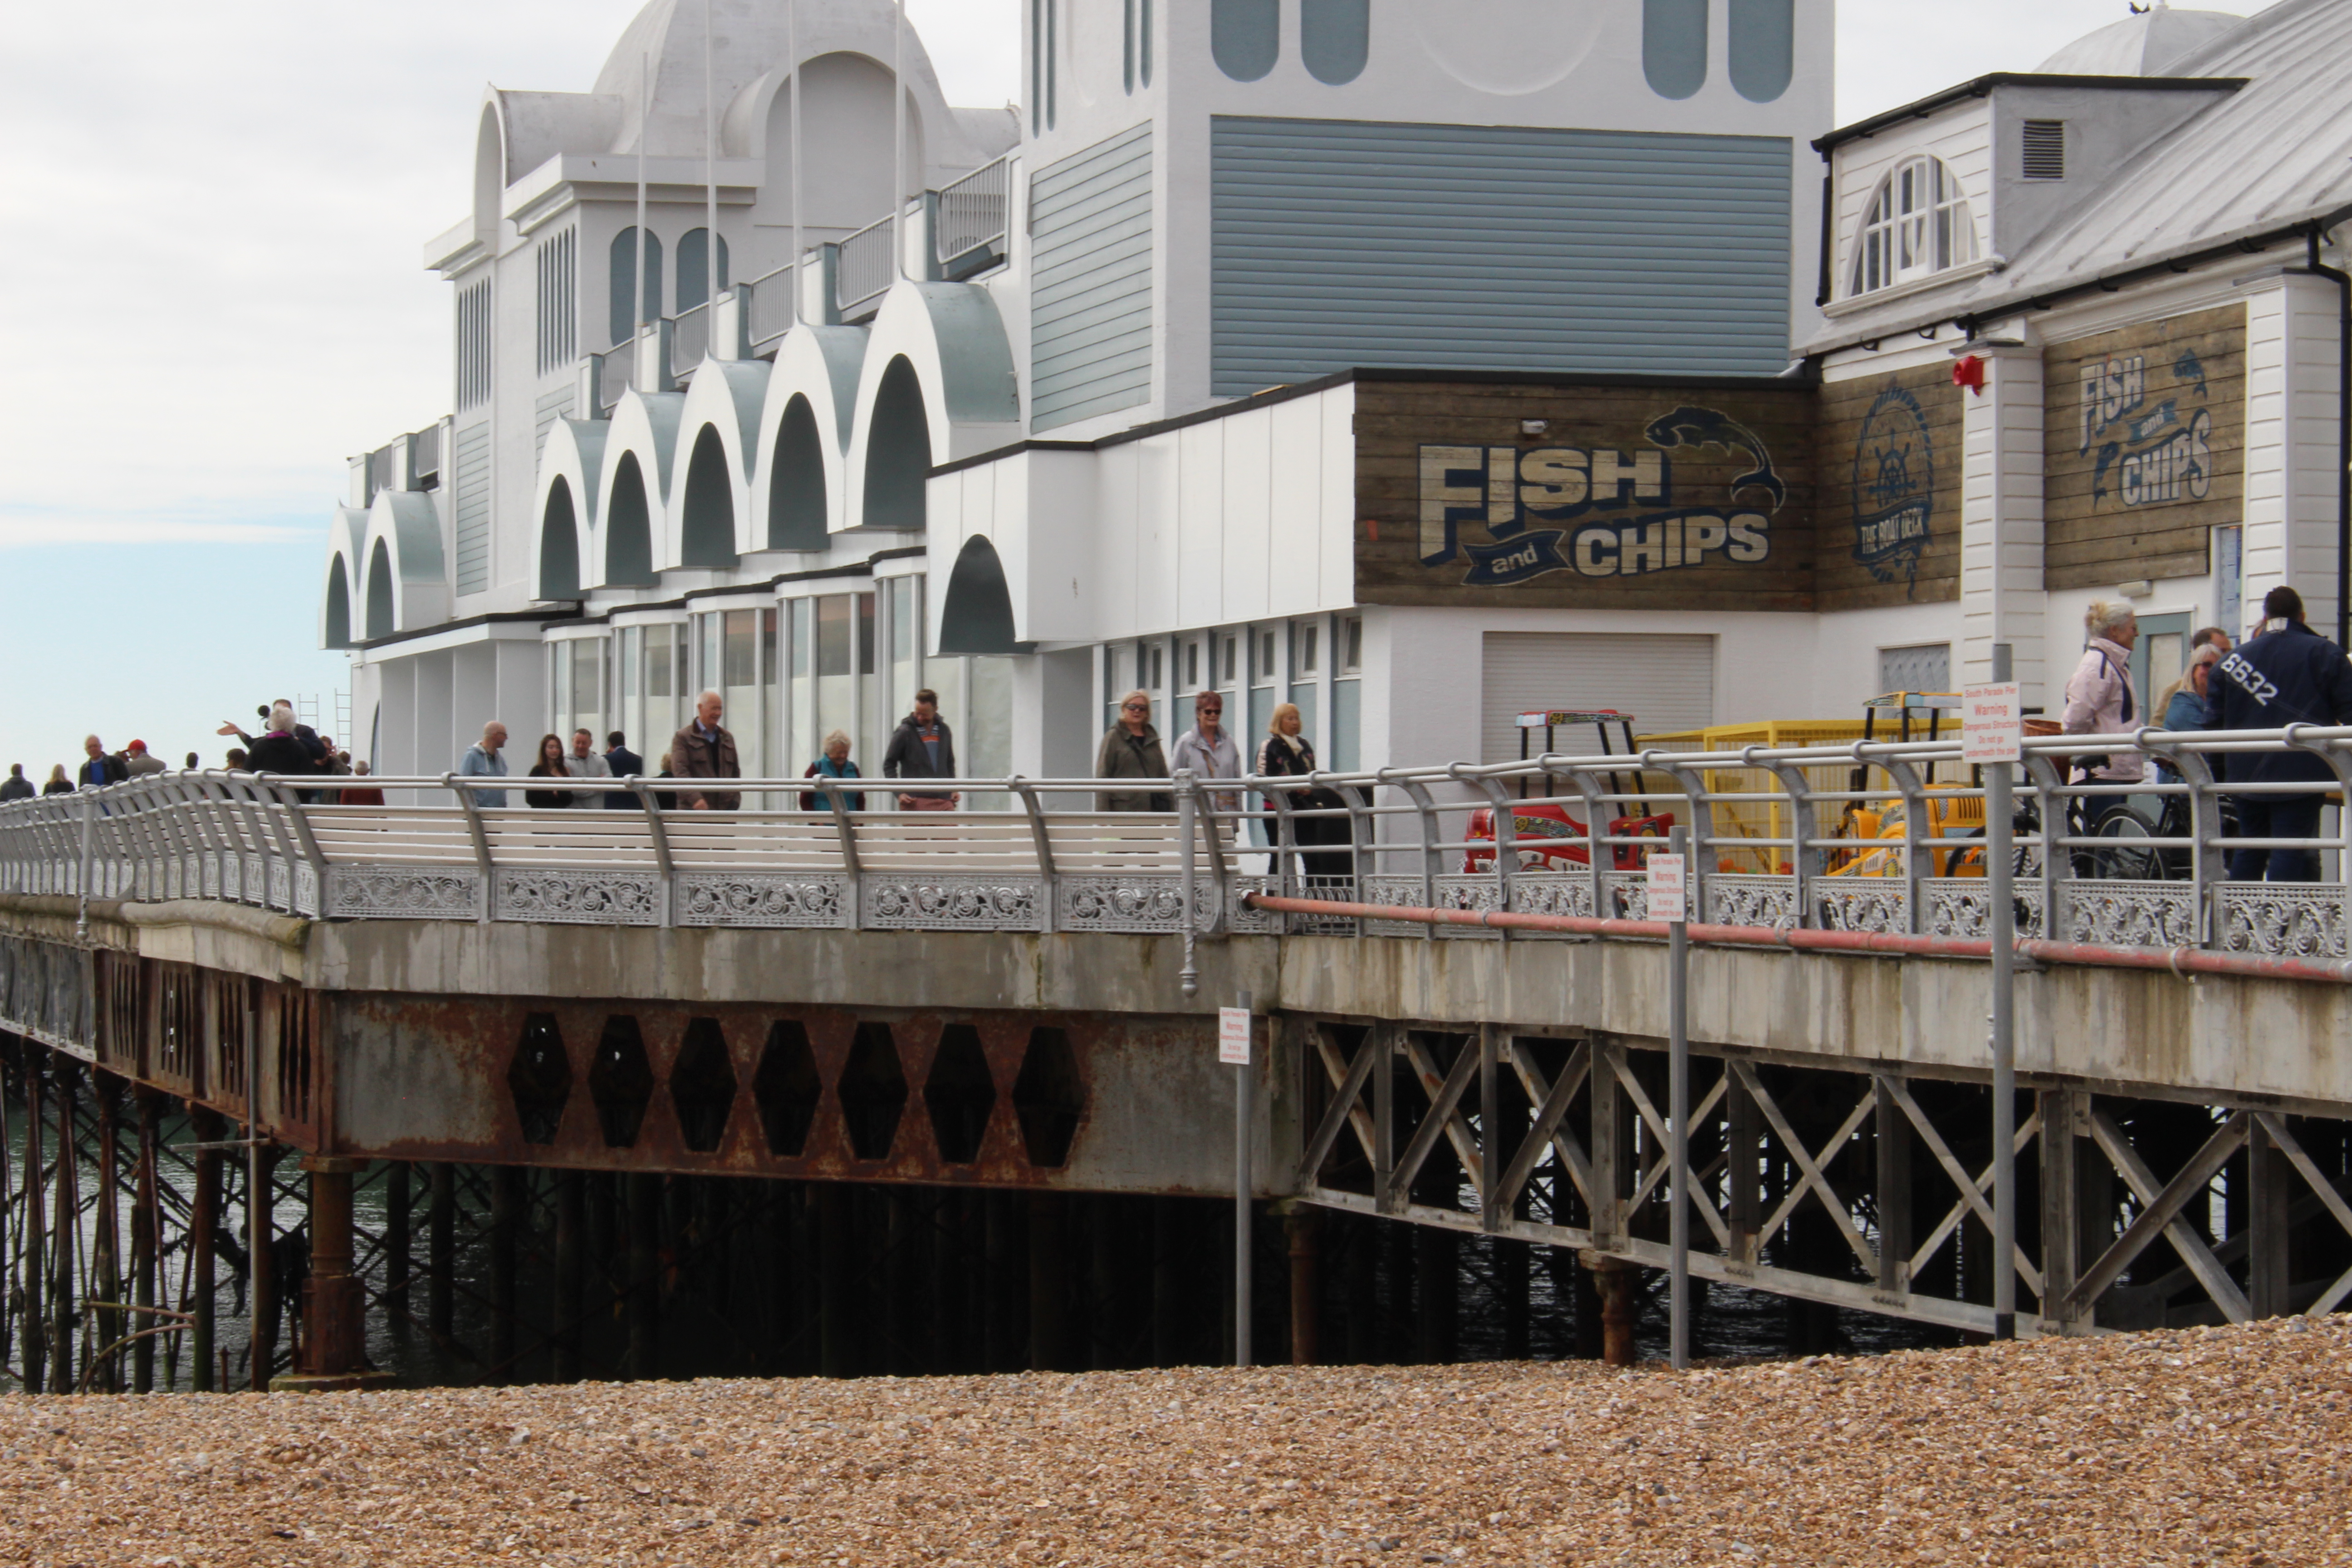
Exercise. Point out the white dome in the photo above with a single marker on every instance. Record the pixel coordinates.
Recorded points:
(2148, 44)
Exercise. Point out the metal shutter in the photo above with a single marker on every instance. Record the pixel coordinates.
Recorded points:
(1665, 682)
(1090, 306)
(473, 509)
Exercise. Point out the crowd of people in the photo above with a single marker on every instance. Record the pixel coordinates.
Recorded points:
(2284, 674)
(285, 745)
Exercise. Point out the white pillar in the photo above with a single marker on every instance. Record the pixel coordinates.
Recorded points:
(2001, 596)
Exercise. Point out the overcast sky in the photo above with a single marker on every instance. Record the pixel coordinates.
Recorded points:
(212, 218)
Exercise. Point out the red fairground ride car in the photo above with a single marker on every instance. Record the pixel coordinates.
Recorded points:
(1545, 835)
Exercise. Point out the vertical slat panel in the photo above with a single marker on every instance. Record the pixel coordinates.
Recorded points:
(473, 468)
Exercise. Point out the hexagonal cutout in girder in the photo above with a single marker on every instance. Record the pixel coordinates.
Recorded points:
(1049, 1097)
(621, 1082)
(786, 1089)
(539, 1079)
(702, 1086)
(873, 1091)
(960, 1094)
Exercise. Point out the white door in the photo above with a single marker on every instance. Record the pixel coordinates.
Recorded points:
(1665, 682)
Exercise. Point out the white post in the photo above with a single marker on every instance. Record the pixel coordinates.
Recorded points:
(1678, 1112)
(792, 47)
(1242, 1193)
(1998, 865)
(899, 139)
(637, 285)
(709, 184)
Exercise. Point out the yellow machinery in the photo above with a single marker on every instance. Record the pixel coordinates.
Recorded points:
(1884, 822)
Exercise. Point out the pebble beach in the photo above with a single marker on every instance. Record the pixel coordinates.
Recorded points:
(2220, 1446)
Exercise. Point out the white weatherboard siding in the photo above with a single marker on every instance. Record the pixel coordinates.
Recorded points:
(473, 508)
(2291, 444)
(1090, 288)
(2002, 445)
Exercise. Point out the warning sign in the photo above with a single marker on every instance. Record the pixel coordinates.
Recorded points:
(1668, 888)
(1991, 724)
(1233, 1036)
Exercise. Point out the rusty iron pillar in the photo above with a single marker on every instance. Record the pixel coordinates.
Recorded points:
(334, 1299)
(1613, 1277)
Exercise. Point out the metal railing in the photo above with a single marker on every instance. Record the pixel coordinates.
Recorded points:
(972, 212)
(614, 367)
(689, 340)
(866, 269)
(771, 304)
(1867, 836)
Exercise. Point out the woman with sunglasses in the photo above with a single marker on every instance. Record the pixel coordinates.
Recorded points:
(1131, 751)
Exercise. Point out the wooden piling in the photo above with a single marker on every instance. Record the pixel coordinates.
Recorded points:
(204, 1227)
(146, 1236)
(441, 1252)
(644, 1315)
(571, 1226)
(399, 1243)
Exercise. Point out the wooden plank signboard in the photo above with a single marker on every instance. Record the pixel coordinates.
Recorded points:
(1596, 494)
(1890, 527)
(2146, 448)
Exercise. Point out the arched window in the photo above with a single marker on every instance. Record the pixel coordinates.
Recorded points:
(1245, 36)
(559, 545)
(339, 606)
(1334, 38)
(1917, 225)
(693, 268)
(623, 271)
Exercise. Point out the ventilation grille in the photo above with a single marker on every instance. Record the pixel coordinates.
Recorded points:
(2045, 149)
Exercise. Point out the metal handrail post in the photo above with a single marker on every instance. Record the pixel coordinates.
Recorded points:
(659, 835)
(1188, 785)
(81, 900)
(1698, 863)
(1424, 808)
(1049, 893)
(1599, 855)
(2340, 765)
(1506, 840)
(1915, 855)
(1285, 843)
(1362, 830)
(1804, 859)
(2049, 809)
(308, 842)
(488, 871)
(850, 867)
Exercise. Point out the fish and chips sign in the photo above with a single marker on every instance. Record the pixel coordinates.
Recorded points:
(1586, 496)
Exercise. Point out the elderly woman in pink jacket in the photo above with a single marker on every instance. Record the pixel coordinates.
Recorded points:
(2100, 701)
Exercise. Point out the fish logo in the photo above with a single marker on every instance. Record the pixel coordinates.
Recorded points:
(1694, 426)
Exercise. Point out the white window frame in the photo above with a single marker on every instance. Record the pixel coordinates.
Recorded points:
(1918, 223)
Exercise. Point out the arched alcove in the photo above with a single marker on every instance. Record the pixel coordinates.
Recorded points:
(898, 451)
(338, 605)
(796, 519)
(559, 545)
(628, 527)
(708, 528)
(380, 621)
(622, 270)
(976, 617)
(489, 173)
(1762, 48)
(693, 268)
(1334, 38)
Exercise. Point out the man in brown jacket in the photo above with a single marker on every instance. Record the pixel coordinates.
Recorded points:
(704, 750)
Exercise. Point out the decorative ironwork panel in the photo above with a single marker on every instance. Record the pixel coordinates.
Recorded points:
(1735, 900)
(752, 899)
(1551, 893)
(306, 890)
(253, 879)
(1141, 902)
(952, 904)
(1626, 895)
(2129, 914)
(389, 893)
(1860, 903)
(579, 897)
(212, 878)
(2280, 919)
(1242, 920)
(281, 886)
(1962, 906)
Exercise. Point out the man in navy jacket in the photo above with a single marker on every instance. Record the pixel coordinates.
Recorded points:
(2288, 674)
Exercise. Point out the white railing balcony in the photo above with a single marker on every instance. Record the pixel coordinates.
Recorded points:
(690, 340)
(771, 305)
(866, 269)
(970, 220)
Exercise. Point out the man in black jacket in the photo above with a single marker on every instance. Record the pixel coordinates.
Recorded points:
(923, 748)
(103, 767)
(626, 765)
(2288, 674)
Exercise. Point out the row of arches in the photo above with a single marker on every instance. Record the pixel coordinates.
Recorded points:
(840, 433)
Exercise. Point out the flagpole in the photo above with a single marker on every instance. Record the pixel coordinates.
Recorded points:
(709, 183)
(899, 138)
(792, 47)
(644, 118)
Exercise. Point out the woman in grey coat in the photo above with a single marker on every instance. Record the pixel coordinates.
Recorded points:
(1131, 751)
